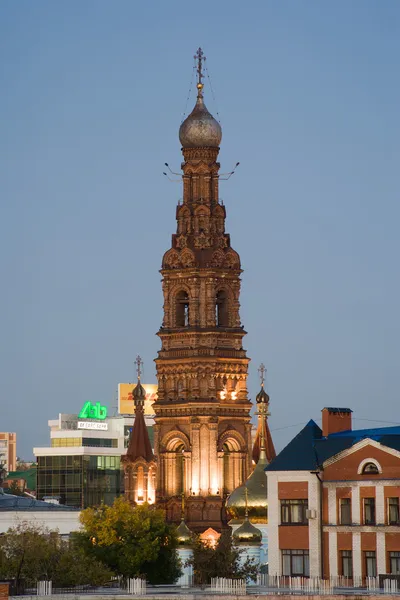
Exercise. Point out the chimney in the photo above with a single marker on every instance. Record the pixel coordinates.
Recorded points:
(335, 420)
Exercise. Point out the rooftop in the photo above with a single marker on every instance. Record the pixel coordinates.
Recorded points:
(309, 449)
(24, 503)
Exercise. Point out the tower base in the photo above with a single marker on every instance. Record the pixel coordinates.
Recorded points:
(200, 512)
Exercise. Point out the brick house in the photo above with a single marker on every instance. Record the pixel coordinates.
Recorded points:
(333, 501)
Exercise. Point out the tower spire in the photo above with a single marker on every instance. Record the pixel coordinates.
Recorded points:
(139, 366)
(199, 58)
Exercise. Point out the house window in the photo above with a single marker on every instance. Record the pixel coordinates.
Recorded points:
(370, 469)
(345, 511)
(369, 511)
(370, 564)
(295, 563)
(293, 512)
(346, 557)
(393, 511)
(394, 563)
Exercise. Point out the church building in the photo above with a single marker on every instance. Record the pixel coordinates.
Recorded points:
(203, 446)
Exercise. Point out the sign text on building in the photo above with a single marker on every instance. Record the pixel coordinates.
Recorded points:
(93, 411)
(92, 425)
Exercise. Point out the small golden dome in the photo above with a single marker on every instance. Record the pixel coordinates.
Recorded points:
(247, 533)
(184, 534)
(257, 498)
(200, 129)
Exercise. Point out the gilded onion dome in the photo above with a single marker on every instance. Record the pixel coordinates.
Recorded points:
(257, 502)
(200, 129)
(247, 533)
(184, 535)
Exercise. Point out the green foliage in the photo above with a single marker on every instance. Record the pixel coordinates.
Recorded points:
(132, 541)
(223, 560)
(29, 553)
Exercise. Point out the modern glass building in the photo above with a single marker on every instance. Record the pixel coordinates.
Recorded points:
(82, 466)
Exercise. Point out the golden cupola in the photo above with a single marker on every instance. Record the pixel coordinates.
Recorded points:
(252, 496)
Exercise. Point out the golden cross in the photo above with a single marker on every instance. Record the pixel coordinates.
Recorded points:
(199, 56)
(139, 364)
(262, 371)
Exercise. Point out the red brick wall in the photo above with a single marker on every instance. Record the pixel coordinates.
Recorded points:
(292, 490)
(3, 590)
(293, 537)
(346, 468)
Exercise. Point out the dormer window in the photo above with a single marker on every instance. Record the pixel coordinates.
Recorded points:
(369, 466)
(370, 469)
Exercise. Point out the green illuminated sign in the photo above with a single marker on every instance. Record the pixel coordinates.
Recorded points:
(93, 411)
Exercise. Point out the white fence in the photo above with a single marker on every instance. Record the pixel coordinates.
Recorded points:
(44, 588)
(136, 587)
(390, 586)
(315, 585)
(222, 585)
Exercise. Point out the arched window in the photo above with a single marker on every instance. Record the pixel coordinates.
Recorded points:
(370, 469)
(182, 309)
(232, 466)
(221, 309)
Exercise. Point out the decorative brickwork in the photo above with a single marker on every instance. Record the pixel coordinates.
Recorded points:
(202, 414)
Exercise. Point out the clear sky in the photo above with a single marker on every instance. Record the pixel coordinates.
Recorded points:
(92, 96)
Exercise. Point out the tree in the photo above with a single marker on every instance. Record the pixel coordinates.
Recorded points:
(3, 473)
(29, 553)
(223, 560)
(14, 489)
(132, 541)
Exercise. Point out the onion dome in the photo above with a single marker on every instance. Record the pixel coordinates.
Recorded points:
(262, 396)
(184, 535)
(257, 501)
(247, 533)
(139, 394)
(200, 129)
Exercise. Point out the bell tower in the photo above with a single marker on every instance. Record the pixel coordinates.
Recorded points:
(202, 414)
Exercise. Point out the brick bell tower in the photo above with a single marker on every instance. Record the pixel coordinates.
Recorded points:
(202, 414)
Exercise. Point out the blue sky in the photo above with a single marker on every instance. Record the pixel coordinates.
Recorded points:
(92, 95)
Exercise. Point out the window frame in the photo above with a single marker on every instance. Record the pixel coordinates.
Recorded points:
(293, 555)
(288, 505)
(397, 507)
(370, 559)
(346, 557)
(394, 555)
(371, 502)
(345, 502)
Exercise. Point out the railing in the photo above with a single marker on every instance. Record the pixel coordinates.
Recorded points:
(316, 585)
(44, 588)
(136, 586)
(222, 585)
